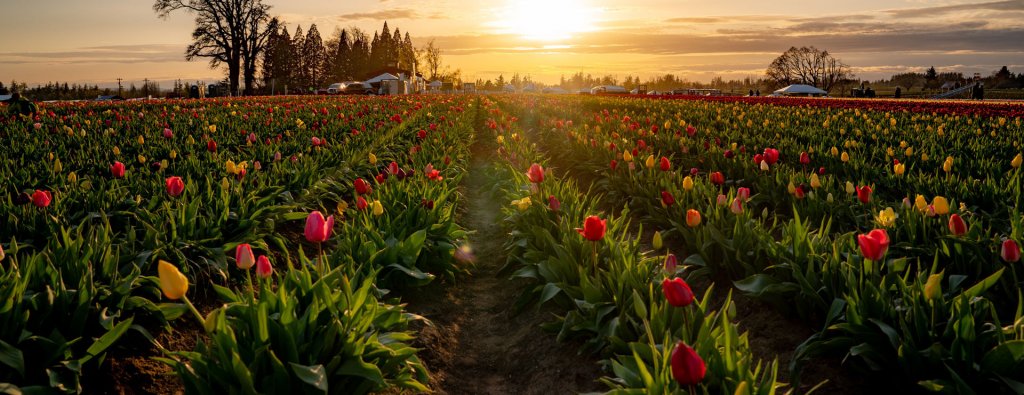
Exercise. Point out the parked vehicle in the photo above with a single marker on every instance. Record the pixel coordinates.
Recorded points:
(358, 88)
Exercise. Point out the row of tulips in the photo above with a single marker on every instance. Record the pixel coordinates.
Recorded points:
(631, 308)
(885, 312)
(319, 322)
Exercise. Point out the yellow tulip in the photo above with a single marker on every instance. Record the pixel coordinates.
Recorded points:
(230, 167)
(649, 162)
(933, 287)
(142, 159)
(1016, 161)
(378, 208)
(899, 168)
(172, 282)
(764, 166)
(163, 164)
(73, 178)
(373, 159)
(886, 218)
(224, 183)
(791, 188)
(190, 140)
(626, 156)
(815, 181)
(657, 242)
(342, 206)
(213, 128)
(830, 198)
(57, 167)
(142, 140)
(849, 188)
(948, 164)
(501, 139)
(174, 154)
(834, 151)
(920, 203)
(688, 183)
(941, 205)
(909, 152)
(522, 204)
(924, 156)
(845, 157)
(117, 151)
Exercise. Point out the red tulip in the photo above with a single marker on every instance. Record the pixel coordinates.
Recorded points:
(244, 258)
(957, 226)
(694, 171)
(41, 198)
(874, 244)
(362, 187)
(535, 174)
(667, 199)
(799, 192)
(175, 186)
(717, 178)
(316, 141)
(593, 228)
(743, 193)
(665, 164)
(263, 267)
(758, 158)
(677, 292)
(729, 154)
(821, 171)
(211, 146)
(361, 203)
(168, 133)
(393, 168)
(553, 203)
(771, 155)
(117, 170)
(805, 159)
(614, 164)
(1010, 252)
(318, 230)
(687, 367)
(864, 194)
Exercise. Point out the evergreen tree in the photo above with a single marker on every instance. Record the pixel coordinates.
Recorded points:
(342, 65)
(313, 58)
(299, 77)
(376, 53)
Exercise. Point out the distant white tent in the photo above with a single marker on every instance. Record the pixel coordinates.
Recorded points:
(436, 84)
(5, 97)
(608, 89)
(382, 77)
(800, 90)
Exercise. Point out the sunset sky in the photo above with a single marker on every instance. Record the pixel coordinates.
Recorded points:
(97, 41)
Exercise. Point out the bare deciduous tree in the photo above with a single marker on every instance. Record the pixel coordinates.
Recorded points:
(432, 59)
(229, 32)
(808, 65)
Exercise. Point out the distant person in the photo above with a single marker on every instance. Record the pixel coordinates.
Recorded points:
(751, 93)
(757, 93)
(981, 91)
(21, 106)
(897, 92)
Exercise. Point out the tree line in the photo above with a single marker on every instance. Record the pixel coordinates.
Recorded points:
(258, 52)
(302, 61)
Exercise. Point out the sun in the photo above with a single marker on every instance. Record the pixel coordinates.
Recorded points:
(545, 20)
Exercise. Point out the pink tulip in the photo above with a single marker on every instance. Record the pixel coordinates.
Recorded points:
(244, 258)
(263, 267)
(318, 230)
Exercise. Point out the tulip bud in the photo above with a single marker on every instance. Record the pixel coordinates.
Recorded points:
(688, 368)
(378, 208)
(764, 166)
(933, 287)
(656, 241)
(172, 282)
(1010, 251)
(244, 258)
(1015, 163)
(670, 265)
(830, 198)
(693, 218)
(263, 267)
(373, 159)
(677, 292)
(957, 226)
(688, 183)
(844, 157)
(736, 207)
(554, 204)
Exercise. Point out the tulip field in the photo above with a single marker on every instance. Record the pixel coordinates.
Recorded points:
(286, 244)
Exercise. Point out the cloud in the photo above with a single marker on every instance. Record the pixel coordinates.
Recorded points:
(110, 54)
(393, 13)
(1011, 5)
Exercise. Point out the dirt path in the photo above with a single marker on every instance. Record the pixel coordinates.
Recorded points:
(476, 345)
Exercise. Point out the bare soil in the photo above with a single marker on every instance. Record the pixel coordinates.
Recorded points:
(476, 345)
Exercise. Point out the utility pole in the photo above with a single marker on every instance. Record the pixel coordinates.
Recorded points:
(120, 89)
